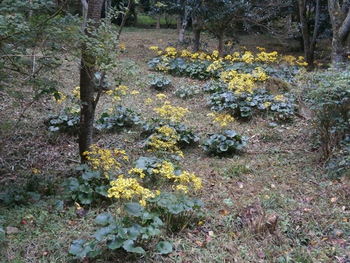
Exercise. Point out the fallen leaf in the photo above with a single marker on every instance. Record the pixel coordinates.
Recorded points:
(223, 212)
(198, 243)
(208, 239)
(308, 199)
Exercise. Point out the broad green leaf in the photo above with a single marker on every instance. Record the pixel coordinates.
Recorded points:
(115, 242)
(128, 245)
(104, 232)
(134, 209)
(102, 190)
(164, 247)
(90, 175)
(105, 218)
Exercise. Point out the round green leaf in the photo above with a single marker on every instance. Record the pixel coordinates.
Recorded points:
(164, 247)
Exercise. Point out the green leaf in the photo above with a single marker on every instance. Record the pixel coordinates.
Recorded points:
(164, 247)
(104, 232)
(102, 190)
(176, 208)
(128, 245)
(83, 248)
(223, 147)
(90, 175)
(84, 198)
(105, 218)
(134, 209)
(115, 242)
(2, 233)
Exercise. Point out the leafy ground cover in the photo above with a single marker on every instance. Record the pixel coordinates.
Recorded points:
(269, 202)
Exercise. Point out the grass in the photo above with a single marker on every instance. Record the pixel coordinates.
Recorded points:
(279, 168)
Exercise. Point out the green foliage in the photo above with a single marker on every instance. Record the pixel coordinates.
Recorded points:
(327, 95)
(186, 136)
(119, 118)
(90, 187)
(68, 121)
(130, 233)
(176, 211)
(246, 105)
(160, 82)
(184, 92)
(224, 143)
(32, 40)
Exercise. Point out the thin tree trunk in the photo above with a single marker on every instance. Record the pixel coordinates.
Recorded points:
(309, 42)
(124, 18)
(87, 99)
(178, 24)
(221, 45)
(158, 21)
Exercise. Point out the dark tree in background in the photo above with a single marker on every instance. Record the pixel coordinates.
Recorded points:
(339, 12)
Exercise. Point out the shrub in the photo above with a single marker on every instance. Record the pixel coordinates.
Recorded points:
(224, 143)
(118, 118)
(328, 96)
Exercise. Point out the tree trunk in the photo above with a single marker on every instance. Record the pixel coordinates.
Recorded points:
(221, 45)
(124, 18)
(309, 42)
(87, 71)
(178, 24)
(197, 23)
(184, 25)
(158, 21)
(340, 19)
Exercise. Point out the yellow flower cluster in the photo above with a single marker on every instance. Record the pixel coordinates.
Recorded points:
(280, 98)
(165, 139)
(242, 82)
(171, 113)
(213, 67)
(60, 97)
(222, 119)
(184, 180)
(161, 96)
(267, 104)
(266, 57)
(154, 48)
(122, 47)
(248, 57)
(260, 74)
(105, 160)
(171, 52)
(138, 171)
(128, 188)
(291, 60)
(118, 92)
(76, 92)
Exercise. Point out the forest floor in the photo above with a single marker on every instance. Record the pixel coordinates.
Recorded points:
(279, 175)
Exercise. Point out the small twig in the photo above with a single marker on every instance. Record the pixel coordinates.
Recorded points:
(73, 161)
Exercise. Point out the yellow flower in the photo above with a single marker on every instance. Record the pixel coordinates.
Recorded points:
(279, 98)
(122, 46)
(59, 97)
(161, 96)
(76, 92)
(154, 48)
(135, 92)
(109, 92)
(267, 104)
(35, 171)
(148, 101)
